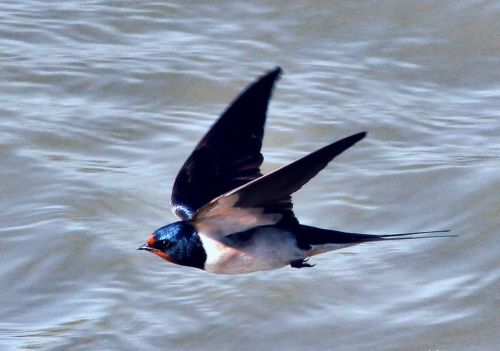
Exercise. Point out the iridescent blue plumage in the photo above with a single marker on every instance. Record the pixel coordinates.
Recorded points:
(182, 243)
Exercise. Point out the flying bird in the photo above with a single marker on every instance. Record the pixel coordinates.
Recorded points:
(234, 219)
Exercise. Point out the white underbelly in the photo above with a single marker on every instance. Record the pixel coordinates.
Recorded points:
(266, 249)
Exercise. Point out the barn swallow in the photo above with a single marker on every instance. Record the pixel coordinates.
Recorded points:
(235, 220)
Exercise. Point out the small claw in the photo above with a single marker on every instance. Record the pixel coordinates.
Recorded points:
(301, 263)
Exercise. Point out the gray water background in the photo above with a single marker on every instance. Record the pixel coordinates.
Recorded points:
(102, 101)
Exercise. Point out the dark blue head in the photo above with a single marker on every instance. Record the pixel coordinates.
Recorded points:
(177, 243)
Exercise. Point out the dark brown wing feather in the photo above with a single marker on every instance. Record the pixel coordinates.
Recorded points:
(229, 154)
(266, 200)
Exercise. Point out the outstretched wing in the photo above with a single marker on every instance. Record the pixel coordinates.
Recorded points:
(266, 200)
(229, 154)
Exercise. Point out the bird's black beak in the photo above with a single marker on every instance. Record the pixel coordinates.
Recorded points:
(149, 245)
(145, 247)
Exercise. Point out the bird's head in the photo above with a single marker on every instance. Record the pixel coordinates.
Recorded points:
(178, 243)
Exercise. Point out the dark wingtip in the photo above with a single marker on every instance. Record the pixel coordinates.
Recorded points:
(341, 145)
(272, 75)
(359, 136)
(277, 71)
(352, 139)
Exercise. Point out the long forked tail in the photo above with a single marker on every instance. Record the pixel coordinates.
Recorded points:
(319, 236)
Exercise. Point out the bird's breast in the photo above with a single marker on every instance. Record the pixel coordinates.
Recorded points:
(260, 249)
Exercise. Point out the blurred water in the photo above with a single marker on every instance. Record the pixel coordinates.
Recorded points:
(101, 102)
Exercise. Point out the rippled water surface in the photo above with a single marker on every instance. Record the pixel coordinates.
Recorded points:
(101, 102)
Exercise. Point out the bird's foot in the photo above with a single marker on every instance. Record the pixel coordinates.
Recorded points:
(301, 263)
